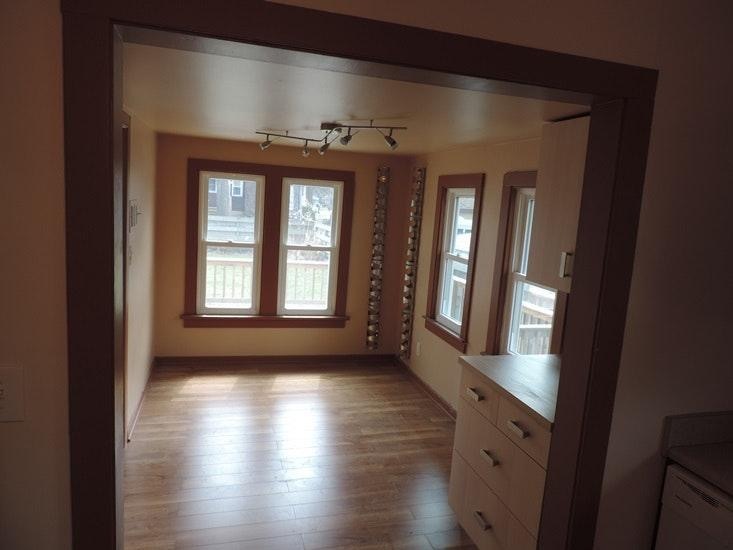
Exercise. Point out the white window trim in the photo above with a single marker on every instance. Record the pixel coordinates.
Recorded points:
(203, 243)
(338, 187)
(449, 224)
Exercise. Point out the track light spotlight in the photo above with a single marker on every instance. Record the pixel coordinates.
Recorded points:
(346, 139)
(391, 142)
(265, 144)
(306, 151)
(323, 148)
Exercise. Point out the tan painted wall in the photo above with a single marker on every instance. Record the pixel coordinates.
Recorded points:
(170, 336)
(437, 363)
(674, 347)
(140, 272)
(34, 454)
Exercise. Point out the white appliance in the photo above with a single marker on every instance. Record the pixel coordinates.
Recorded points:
(695, 515)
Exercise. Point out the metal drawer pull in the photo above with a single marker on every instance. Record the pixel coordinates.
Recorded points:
(486, 455)
(517, 429)
(473, 394)
(482, 523)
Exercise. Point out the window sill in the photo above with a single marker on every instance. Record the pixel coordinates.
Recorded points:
(447, 335)
(264, 321)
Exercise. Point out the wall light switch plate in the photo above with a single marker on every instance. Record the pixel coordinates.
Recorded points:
(11, 394)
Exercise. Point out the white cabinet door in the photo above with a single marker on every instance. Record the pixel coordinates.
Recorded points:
(557, 202)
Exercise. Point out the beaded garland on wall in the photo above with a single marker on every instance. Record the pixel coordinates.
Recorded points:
(413, 249)
(377, 262)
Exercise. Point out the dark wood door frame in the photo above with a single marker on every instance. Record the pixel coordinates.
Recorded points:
(621, 99)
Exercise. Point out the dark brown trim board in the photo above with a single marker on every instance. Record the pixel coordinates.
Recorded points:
(126, 131)
(622, 102)
(215, 361)
(133, 421)
(446, 183)
(268, 314)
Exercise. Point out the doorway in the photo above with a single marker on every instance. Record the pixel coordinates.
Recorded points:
(621, 100)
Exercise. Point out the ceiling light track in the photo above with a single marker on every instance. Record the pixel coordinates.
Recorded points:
(333, 131)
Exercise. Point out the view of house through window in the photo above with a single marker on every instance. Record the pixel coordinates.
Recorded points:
(229, 251)
(529, 308)
(230, 255)
(458, 225)
(308, 254)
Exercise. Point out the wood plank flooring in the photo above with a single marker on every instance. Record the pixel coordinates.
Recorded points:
(287, 458)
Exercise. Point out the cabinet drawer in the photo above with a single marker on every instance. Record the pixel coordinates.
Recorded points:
(484, 517)
(486, 449)
(523, 430)
(478, 393)
(527, 491)
(518, 538)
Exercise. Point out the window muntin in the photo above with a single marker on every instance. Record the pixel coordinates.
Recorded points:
(311, 225)
(529, 308)
(229, 243)
(454, 257)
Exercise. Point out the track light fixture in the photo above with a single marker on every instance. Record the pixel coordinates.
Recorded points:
(332, 131)
(391, 142)
(265, 144)
(346, 139)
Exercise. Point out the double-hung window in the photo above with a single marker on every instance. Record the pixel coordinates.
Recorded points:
(456, 228)
(311, 218)
(529, 309)
(230, 242)
(454, 260)
(267, 246)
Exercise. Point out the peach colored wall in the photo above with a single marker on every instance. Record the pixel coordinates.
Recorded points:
(437, 363)
(170, 336)
(141, 263)
(34, 454)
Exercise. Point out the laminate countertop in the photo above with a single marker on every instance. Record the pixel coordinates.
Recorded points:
(531, 381)
(712, 461)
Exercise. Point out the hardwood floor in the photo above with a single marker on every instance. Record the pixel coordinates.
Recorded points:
(288, 457)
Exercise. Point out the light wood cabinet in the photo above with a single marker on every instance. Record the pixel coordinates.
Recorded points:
(557, 202)
(500, 451)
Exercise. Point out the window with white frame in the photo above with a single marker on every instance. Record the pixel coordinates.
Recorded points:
(455, 256)
(229, 250)
(529, 308)
(310, 229)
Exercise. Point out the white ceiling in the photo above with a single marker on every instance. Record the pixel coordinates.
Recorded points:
(202, 94)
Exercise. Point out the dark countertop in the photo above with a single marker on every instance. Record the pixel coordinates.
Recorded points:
(712, 461)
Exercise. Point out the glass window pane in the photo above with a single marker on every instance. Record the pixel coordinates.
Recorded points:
(453, 290)
(462, 223)
(533, 308)
(232, 210)
(310, 215)
(307, 274)
(228, 277)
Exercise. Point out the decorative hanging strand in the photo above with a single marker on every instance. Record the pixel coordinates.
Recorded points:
(377, 262)
(413, 249)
